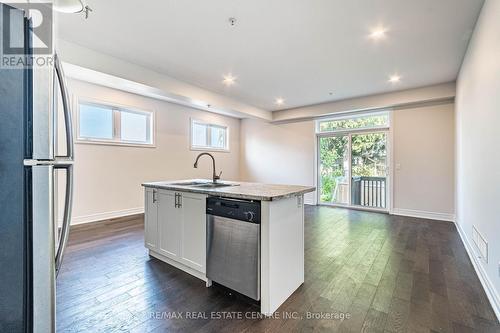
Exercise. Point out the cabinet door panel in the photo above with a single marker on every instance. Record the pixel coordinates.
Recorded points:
(150, 221)
(169, 225)
(194, 231)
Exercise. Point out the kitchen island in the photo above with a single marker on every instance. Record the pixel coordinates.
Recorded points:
(176, 220)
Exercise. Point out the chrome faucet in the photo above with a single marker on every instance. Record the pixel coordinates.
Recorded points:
(215, 177)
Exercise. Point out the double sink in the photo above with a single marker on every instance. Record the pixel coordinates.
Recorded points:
(204, 184)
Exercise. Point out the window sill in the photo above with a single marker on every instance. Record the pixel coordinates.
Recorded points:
(213, 150)
(113, 143)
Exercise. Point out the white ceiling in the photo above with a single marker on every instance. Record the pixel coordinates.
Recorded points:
(300, 50)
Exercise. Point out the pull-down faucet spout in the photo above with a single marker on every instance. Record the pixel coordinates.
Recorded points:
(214, 176)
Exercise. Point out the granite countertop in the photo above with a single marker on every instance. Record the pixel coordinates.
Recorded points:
(238, 190)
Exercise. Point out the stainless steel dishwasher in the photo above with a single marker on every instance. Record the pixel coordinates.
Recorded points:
(233, 244)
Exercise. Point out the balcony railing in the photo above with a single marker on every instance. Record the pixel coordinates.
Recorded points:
(369, 192)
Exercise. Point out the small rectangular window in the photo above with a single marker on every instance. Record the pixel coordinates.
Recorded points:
(135, 126)
(96, 121)
(101, 123)
(205, 136)
(199, 134)
(366, 121)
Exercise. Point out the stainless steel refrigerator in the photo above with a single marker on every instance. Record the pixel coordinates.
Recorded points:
(31, 242)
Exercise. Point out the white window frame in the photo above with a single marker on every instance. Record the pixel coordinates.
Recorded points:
(209, 133)
(388, 129)
(351, 116)
(117, 109)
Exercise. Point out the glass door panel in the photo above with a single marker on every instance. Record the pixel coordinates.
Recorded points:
(369, 170)
(334, 169)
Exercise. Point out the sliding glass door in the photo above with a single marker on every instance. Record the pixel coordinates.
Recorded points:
(334, 169)
(353, 162)
(369, 170)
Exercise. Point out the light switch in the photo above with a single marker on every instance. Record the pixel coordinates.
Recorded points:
(398, 166)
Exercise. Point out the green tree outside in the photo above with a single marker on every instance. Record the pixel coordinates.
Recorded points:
(369, 153)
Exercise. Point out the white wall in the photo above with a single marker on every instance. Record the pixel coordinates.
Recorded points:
(279, 154)
(478, 139)
(108, 178)
(424, 146)
(424, 161)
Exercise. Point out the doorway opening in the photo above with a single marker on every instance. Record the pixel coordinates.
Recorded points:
(353, 161)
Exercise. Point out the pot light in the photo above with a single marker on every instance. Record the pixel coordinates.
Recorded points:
(378, 33)
(72, 6)
(229, 80)
(68, 6)
(394, 78)
(279, 101)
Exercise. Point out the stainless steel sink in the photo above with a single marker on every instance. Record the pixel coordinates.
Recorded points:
(203, 184)
(214, 185)
(193, 183)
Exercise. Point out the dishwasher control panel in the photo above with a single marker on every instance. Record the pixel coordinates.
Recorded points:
(242, 210)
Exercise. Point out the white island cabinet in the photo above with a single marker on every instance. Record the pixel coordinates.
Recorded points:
(151, 219)
(175, 231)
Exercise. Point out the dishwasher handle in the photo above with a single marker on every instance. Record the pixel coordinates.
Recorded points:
(241, 210)
(230, 205)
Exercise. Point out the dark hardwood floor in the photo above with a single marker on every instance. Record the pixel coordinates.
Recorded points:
(382, 273)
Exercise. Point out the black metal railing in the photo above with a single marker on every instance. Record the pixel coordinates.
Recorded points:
(369, 192)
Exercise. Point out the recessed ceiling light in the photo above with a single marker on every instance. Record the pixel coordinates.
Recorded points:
(378, 33)
(394, 78)
(229, 79)
(279, 101)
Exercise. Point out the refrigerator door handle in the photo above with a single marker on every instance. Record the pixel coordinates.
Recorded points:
(67, 108)
(68, 204)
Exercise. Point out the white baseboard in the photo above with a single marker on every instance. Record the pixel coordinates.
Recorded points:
(488, 286)
(106, 215)
(423, 214)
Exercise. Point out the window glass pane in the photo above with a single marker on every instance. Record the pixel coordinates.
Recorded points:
(369, 169)
(218, 137)
(199, 133)
(334, 169)
(96, 122)
(135, 127)
(357, 122)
